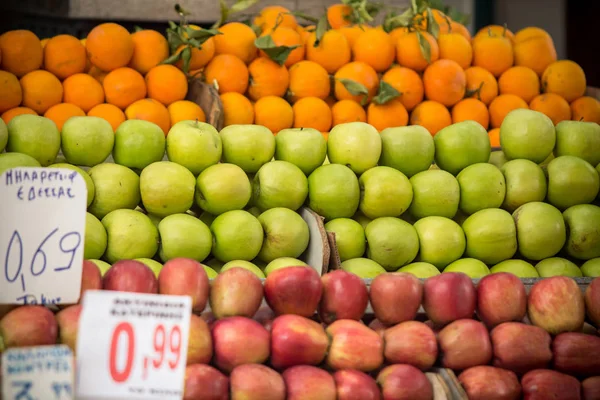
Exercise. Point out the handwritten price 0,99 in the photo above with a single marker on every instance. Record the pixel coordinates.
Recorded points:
(160, 339)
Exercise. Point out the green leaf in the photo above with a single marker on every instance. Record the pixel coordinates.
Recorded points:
(392, 21)
(432, 25)
(172, 59)
(473, 92)
(201, 34)
(174, 39)
(307, 17)
(279, 54)
(322, 27)
(186, 56)
(224, 14)
(414, 6)
(242, 5)
(425, 47)
(137, 28)
(355, 89)
(172, 25)
(386, 93)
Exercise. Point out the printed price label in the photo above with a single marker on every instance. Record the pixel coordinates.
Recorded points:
(132, 345)
(37, 373)
(41, 235)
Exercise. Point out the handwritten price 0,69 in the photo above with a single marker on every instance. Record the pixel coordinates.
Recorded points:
(163, 340)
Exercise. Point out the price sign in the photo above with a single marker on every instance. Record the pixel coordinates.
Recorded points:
(132, 345)
(42, 232)
(36, 373)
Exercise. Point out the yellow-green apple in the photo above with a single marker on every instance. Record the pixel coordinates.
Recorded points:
(543, 384)
(297, 340)
(421, 270)
(68, 324)
(154, 265)
(256, 382)
(185, 277)
(391, 242)
(211, 273)
(349, 237)
(576, 354)
(525, 182)
(571, 181)
(294, 290)
(364, 268)
(87, 140)
(590, 388)
(283, 262)
(221, 188)
(557, 266)
(556, 304)
(441, 240)
(200, 343)
(464, 343)
(117, 187)
(491, 235)
(203, 382)
(237, 235)
(482, 186)
(354, 346)
(384, 192)
(474, 268)
(580, 139)
(302, 382)
(333, 191)
(345, 296)
(95, 241)
(279, 184)
(306, 148)
(187, 139)
(130, 276)
(38, 137)
(410, 342)
(490, 383)
(435, 193)
(167, 188)
(497, 158)
(27, 326)
(103, 266)
(541, 231)
(139, 143)
(527, 134)
(409, 149)
(449, 297)
(583, 239)
(3, 135)
(592, 301)
(243, 264)
(286, 234)
(355, 385)
(131, 235)
(398, 288)
(519, 347)
(404, 382)
(236, 292)
(354, 144)
(501, 297)
(89, 183)
(519, 268)
(12, 160)
(462, 144)
(247, 146)
(362, 219)
(183, 236)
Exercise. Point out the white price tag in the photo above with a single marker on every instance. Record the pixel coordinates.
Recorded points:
(132, 345)
(41, 235)
(37, 373)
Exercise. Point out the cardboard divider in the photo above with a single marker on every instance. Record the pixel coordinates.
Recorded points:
(318, 253)
(207, 97)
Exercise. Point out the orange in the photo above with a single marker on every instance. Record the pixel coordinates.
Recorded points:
(388, 115)
(502, 105)
(13, 112)
(272, 16)
(288, 37)
(304, 32)
(273, 112)
(494, 135)
(44, 41)
(312, 112)
(481, 84)
(338, 15)
(494, 53)
(227, 73)
(534, 48)
(60, 113)
(166, 84)
(471, 110)
(347, 111)
(332, 52)
(431, 115)
(236, 39)
(267, 78)
(553, 105)
(530, 32)
(123, 86)
(150, 48)
(586, 108)
(445, 82)
(41, 90)
(566, 78)
(185, 110)
(462, 30)
(521, 81)
(64, 55)
(88, 64)
(354, 31)
(200, 57)
(495, 30)
(397, 32)
(420, 20)
(83, 91)
(237, 109)
(375, 48)
(150, 110)
(308, 79)
(109, 46)
(113, 114)
(409, 54)
(455, 47)
(97, 74)
(21, 52)
(408, 83)
(356, 72)
(11, 94)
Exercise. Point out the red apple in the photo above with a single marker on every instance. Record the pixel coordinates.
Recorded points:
(256, 382)
(465, 343)
(28, 326)
(200, 343)
(411, 342)
(404, 382)
(294, 290)
(91, 278)
(591, 388)
(297, 340)
(402, 290)
(238, 341)
(490, 383)
(448, 297)
(544, 384)
(520, 348)
(185, 277)
(203, 382)
(354, 346)
(592, 301)
(355, 385)
(576, 354)
(501, 297)
(556, 304)
(305, 382)
(236, 292)
(345, 296)
(378, 326)
(68, 324)
(130, 276)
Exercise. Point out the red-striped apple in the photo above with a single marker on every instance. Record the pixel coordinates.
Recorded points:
(464, 343)
(519, 347)
(354, 346)
(130, 276)
(203, 382)
(448, 297)
(236, 292)
(256, 382)
(404, 382)
(411, 342)
(297, 340)
(185, 277)
(355, 385)
(490, 383)
(400, 289)
(544, 384)
(556, 304)
(303, 382)
(501, 297)
(345, 296)
(294, 290)
(238, 341)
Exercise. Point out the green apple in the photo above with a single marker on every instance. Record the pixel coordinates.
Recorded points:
(247, 146)
(482, 186)
(154, 265)
(363, 267)
(571, 181)
(435, 193)
(541, 231)
(89, 184)
(462, 144)
(591, 268)
(583, 227)
(183, 236)
(221, 188)
(254, 211)
(556, 266)
(286, 234)
(578, 138)
(491, 236)
(356, 145)
(87, 141)
(131, 235)
(421, 270)
(279, 184)
(243, 264)
(4, 135)
(13, 160)
(349, 237)
(391, 242)
(195, 145)
(116, 187)
(384, 192)
(237, 235)
(138, 143)
(441, 241)
(497, 158)
(362, 219)
(409, 149)
(306, 148)
(167, 188)
(525, 182)
(283, 262)
(211, 273)
(35, 136)
(527, 134)
(520, 268)
(214, 264)
(95, 242)
(333, 191)
(473, 267)
(103, 266)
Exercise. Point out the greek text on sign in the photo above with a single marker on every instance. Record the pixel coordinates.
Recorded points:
(41, 235)
(132, 345)
(43, 372)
